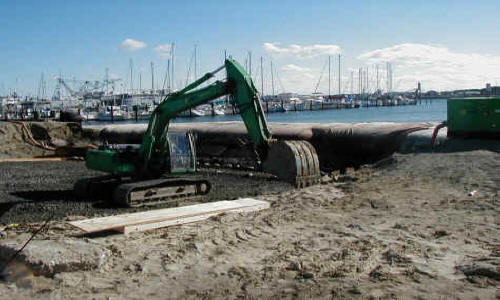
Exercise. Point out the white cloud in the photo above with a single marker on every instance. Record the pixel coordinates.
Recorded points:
(437, 67)
(164, 50)
(295, 68)
(302, 51)
(298, 79)
(132, 45)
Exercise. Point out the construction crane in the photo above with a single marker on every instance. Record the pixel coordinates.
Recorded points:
(87, 88)
(156, 172)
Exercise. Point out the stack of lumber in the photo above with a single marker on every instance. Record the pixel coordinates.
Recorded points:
(153, 219)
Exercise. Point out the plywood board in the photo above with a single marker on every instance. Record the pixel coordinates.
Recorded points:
(33, 159)
(169, 216)
(186, 220)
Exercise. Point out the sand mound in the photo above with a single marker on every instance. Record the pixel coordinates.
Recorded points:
(38, 139)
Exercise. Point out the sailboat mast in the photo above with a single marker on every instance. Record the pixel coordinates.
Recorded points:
(152, 78)
(272, 77)
(106, 79)
(167, 71)
(172, 53)
(261, 78)
(352, 82)
(339, 74)
(250, 63)
(329, 78)
(360, 81)
(195, 63)
(131, 77)
(387, 71)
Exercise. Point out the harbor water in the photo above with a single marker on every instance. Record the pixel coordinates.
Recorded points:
(427, 110)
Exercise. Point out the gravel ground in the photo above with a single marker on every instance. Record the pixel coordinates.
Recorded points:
(31, 192)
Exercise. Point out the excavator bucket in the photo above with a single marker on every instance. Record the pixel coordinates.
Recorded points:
(295, 162)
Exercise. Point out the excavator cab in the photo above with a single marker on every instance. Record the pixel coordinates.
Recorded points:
(182, 152)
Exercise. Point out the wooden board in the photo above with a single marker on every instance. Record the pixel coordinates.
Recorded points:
(34, 159)
(168, 217)
(186, 220)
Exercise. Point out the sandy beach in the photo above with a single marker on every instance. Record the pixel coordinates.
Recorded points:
(406, 227)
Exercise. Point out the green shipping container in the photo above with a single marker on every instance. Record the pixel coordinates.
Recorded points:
(474, 117)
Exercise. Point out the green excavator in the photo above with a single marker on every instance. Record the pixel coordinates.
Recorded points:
(159, 170)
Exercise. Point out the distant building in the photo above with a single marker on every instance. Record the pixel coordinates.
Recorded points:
(431, 93)
(472, 93)
(490, 90)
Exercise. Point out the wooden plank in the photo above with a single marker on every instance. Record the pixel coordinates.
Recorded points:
(33, 159)
(118, 222)
(191, 219)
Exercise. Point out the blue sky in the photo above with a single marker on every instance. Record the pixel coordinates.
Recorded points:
(431, 41)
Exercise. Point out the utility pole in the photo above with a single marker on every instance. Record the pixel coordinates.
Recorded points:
(152, 78)
(272, 77)
(261, 78)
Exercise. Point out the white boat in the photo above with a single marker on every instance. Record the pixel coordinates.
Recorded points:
(192, 113)
(313, 104)
(208, 110)
(272, 107)
(294, 104)
(197, 112)
(106, 115)
(89, 116)
(219, 110)
(228, 110)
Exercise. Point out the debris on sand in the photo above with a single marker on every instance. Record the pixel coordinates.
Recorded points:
(489, 268)
(47, 257)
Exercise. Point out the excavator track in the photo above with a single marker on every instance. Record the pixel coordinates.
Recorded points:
(141, 193)
(100, 187)
(160, 191)
(295, 162)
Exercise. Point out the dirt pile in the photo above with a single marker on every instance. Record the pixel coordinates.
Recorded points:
(39, 139)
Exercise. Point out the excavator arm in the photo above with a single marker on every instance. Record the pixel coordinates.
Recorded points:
(238, 84)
